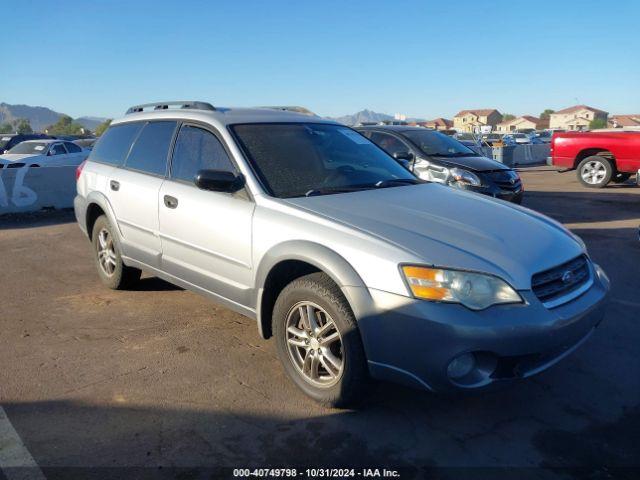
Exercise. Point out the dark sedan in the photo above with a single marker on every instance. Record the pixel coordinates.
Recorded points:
(439, 158)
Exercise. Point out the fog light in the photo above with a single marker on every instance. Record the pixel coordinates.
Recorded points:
(461, 365)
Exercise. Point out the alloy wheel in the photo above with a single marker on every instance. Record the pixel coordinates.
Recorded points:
(314, 344)
(593, 172)
(106, 252)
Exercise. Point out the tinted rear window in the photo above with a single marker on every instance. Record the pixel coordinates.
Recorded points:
(114, 144)
(149, 153)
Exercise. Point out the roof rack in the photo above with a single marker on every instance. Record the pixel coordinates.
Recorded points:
(188, 104)
(295, 109)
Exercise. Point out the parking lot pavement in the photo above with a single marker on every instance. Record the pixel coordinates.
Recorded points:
(160, 377)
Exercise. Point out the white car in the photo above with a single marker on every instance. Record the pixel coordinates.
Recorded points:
(44, 153)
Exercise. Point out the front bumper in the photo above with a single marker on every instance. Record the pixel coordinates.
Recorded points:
(492, 190)
(413, 341)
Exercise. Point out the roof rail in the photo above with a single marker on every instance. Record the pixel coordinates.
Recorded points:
(186, 104)
(295, 109)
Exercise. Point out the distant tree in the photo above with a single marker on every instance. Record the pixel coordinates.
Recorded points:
(65, 126)
(545, 115)
(597, 123)
(102, 127)
(508, 116)
(23, 126)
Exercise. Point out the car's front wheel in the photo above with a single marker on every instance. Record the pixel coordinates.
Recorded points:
(318, 341)
(595, 171)
(111, 269)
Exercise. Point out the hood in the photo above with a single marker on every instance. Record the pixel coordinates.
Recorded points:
(452, 228)
(17, 157)
(477, 164)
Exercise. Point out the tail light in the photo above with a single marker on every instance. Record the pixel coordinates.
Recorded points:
(79, 170)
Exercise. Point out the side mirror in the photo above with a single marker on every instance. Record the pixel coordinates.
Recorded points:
(219, 181)
(404, 159)
(408, 156)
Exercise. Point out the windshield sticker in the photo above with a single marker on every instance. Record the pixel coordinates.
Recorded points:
(38, 148)
(354, 136)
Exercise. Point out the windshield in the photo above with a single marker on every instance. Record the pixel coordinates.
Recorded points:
(436, 143)
(298, 159)
(30, 148)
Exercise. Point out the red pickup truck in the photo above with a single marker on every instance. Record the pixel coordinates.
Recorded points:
(597, 157)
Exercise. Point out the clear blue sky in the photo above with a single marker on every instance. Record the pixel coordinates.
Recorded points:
(422, 58)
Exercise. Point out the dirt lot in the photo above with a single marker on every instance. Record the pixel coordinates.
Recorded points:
(161, 378)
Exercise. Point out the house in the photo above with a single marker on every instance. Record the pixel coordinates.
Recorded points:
(621, 121)
(522, 123)
(438, 124)
(472, 120)
(577, 117)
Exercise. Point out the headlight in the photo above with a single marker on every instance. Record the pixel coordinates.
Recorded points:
(464, 176)
(476, 291)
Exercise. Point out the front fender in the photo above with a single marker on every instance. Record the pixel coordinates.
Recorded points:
(321, 257)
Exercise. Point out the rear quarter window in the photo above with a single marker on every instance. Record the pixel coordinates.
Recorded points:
(114, 144)
(151, 148)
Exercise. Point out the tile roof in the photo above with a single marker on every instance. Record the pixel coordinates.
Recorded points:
(575, 108)
(480, 112)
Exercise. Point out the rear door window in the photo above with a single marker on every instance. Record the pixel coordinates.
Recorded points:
(151, 149)
(114, 144)
(57, 149)
(72, 147)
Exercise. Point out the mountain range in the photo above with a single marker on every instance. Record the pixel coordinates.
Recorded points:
(368, 116)
(41, 117)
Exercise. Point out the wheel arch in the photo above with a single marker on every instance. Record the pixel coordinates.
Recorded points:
(588, 152)
(290, 260)
(98, 204)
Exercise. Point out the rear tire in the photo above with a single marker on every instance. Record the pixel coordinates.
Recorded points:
(595, 171)
(325, 357)
(107, 254)
(620, 177)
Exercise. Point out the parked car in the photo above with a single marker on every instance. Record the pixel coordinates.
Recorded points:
(438, 158)
(85, 143)
(492, 138)
(544, 135)
(355, 266)
(10, 140)
(597, 157)
(44, 153)
(516, 139)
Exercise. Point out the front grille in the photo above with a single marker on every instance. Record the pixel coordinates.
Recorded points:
(506, 180)
(561, 280)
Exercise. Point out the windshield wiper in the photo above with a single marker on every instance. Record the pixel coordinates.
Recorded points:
(392, 182)
(327, 190)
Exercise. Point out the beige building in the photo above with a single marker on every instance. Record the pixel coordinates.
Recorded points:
(624, 121)
(468, 120)
(439, 124)
(522, 123)
(577, 117)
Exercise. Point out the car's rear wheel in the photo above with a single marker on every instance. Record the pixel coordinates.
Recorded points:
(318, 341)
(620, 177)
(595, 171)
(111, 269)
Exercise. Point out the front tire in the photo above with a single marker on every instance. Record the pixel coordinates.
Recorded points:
(318, 341)
(595, 171)
(107, 254)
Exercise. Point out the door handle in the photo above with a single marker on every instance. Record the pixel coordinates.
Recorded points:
(115, 186)
(170, 202)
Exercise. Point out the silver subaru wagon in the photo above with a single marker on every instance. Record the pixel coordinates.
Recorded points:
(359, 269)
